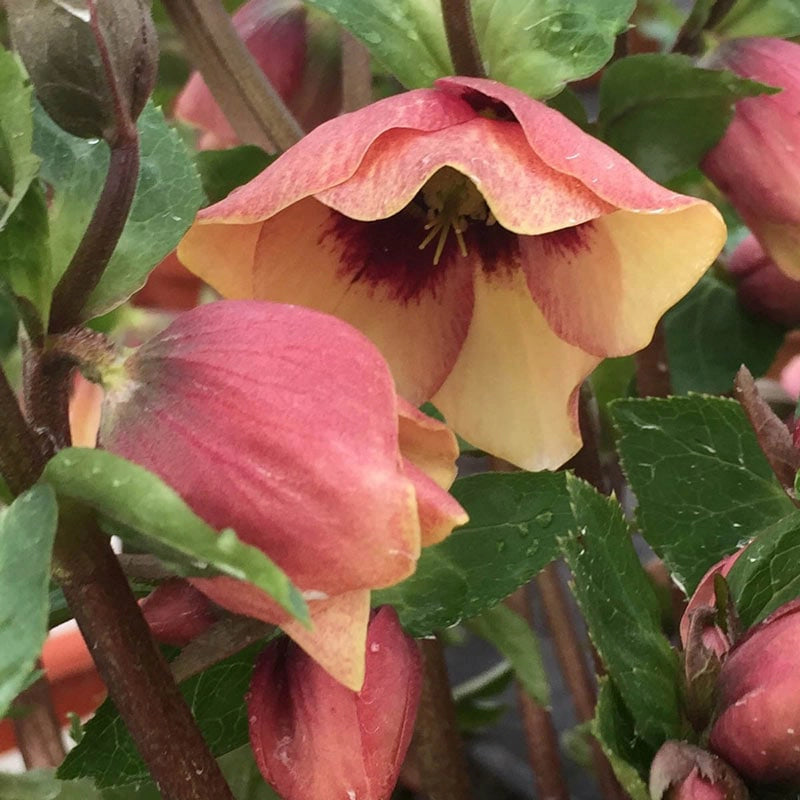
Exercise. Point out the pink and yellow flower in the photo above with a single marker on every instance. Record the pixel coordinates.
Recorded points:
(493, 251)
(284, 424)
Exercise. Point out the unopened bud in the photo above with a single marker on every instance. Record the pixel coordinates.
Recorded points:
(92, 62)
(681, 771)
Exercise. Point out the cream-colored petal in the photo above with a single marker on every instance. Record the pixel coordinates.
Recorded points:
(439, 512)
(513, 390)
(604, 285)
(428, 444)
(338, 639)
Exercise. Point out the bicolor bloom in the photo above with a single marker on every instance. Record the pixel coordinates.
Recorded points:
(762, 287)
(284, 424)
(298, 51)
(681, 771)
(756, 162)
(757, 726)
(315, 739)
(493, 251)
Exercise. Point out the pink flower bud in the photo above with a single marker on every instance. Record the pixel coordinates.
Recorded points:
(283, 424)
(681, 771)
(298, 52)
(756, 162)
(314, 739)
(177, 612)
(757, 728)
(762, 287)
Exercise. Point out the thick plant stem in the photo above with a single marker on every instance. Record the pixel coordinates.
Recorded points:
(252, 106)
(575, 670)
(461, 39)
(36, 727)
(136, 674)
(101, 236)
(437, 743)
(540, 732)
(356, 73)
(21, 456)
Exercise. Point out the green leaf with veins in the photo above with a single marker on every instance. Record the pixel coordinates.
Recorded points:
(702, 483)
(27, 531)
(167, 197)
(622, 613)
(143, 507)
(664, 113)
(515, 522)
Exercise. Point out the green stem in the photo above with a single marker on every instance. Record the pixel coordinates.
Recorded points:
(248, 100)
(461, 39)
(102, 234)
(702, 18)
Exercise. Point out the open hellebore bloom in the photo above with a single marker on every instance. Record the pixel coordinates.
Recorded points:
(756, 161)
(315, 739)
(282, 423)
(493, 251)
(757, 728)
(296, 48)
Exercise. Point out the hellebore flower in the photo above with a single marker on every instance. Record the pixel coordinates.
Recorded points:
(314, 739)
(757, 726)
(681, 771)
(298, 51)
(755, 163)
(282, 423)
(493, 251)
(177, 612)
(762, 287)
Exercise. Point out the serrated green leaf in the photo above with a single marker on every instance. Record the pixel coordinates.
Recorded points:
(768, 574)
(622, 613)
(628, 755)
(27, 530)
(18, 164)
(216, 697)
(405, 36)
(167, 197)
(702, 482)
(140, 503)
(513, 637)
(515, 520)
(539, 46)
(664, 114)
(779, 18)
(709, 336)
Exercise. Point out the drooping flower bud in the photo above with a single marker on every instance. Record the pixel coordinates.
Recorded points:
(314, 739)
(757, 726)
(177, 612)
(93, 63)
(755, 163)
(681, 771)
(296, 47)
(762, 287)
(283, 424)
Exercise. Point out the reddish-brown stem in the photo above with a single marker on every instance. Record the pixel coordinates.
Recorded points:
(356, 73)
(36, 728)
(101, 236)
(461, 39)
(571, 659)
(136, 674)
(540, 732)
(438, 749)
(250, 103)
(652, 367)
